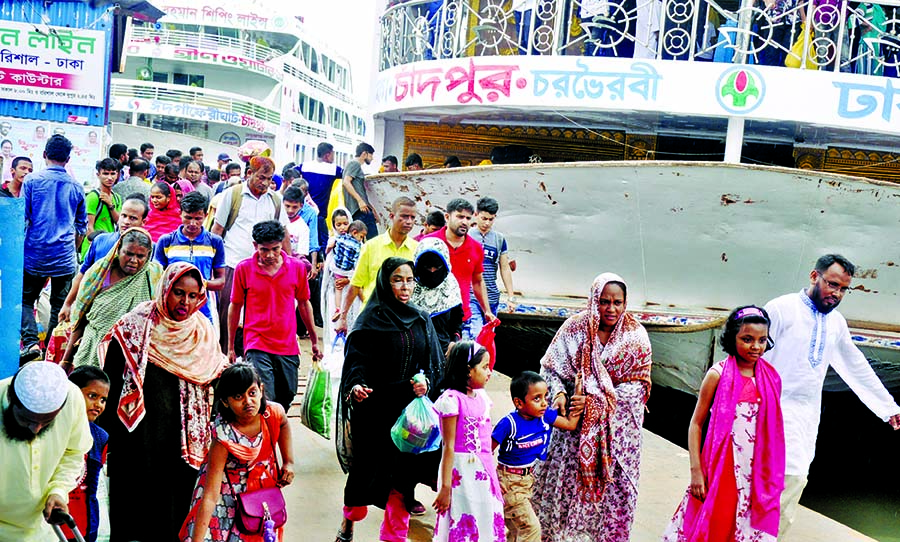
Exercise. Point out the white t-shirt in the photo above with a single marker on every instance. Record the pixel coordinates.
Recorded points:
(299, 232)
(806, 343)
(239, 239)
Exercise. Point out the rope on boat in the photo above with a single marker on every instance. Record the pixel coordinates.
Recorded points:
(689, 328)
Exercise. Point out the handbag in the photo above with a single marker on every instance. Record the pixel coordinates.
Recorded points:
(255, 507)
(795, 56)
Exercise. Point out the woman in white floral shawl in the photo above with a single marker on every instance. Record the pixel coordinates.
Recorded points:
(610, 349)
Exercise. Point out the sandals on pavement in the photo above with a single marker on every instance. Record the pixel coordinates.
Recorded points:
(344, 536)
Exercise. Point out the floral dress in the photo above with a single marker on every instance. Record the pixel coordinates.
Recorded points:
(476, 502)
(743, 437)
(240, 476)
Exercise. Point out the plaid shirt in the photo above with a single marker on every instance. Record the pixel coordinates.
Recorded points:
(346, 252)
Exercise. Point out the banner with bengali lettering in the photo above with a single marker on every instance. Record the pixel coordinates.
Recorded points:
(52, 64)
(235, 14)
(572, 83)
(196, 112)
(207, 53)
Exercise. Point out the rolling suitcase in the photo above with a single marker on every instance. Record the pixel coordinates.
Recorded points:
(59, 518)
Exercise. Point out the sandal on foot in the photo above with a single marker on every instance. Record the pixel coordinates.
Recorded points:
(344, 536)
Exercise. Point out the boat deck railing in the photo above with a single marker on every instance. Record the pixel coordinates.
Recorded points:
(180, 95)
(829, 35)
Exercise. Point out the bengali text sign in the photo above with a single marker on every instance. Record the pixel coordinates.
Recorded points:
(52, 64)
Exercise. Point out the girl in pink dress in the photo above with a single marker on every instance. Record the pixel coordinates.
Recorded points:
(737, 479)
(469, 502)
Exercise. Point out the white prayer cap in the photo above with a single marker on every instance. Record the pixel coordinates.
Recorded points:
(42, 387)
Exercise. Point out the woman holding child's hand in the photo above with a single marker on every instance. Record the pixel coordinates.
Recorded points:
(610, 350)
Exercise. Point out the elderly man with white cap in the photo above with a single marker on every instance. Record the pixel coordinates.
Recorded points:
(45, 436)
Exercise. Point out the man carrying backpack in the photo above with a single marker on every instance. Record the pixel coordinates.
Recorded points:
(242, 207)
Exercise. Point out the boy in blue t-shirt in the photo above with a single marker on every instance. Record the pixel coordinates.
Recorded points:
(523, 437)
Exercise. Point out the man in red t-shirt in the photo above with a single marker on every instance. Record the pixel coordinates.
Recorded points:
(266, 287)
(466, 260)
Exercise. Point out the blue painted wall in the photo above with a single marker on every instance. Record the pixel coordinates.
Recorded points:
(12, 248)
(71, 14)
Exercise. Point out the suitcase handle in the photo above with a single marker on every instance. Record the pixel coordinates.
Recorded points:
(57, 518)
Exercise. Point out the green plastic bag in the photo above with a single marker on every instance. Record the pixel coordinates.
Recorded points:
(317, 404)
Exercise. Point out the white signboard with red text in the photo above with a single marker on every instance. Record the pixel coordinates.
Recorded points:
(567, 83)
(52, 64)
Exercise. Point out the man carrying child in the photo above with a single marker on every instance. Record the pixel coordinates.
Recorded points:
(347, 248)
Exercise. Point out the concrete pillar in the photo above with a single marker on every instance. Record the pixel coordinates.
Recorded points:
(734, 140)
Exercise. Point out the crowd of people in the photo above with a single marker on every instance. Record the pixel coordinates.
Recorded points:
(192, 403)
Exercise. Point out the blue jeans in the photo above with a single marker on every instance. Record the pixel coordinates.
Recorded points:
(472, 327)
(31, 292)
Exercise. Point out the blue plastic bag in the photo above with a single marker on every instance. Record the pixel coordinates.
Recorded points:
(418, 429)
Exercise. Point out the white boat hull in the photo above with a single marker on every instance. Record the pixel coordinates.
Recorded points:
(693, 240)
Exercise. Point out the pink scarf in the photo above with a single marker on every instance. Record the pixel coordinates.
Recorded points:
(701, 517)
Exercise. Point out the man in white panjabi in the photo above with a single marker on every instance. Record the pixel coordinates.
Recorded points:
(809, 336)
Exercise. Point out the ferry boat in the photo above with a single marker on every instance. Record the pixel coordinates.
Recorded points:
(620, 102)
(219, 75)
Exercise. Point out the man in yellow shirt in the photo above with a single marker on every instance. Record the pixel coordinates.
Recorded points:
(394, 242)
(44, 439)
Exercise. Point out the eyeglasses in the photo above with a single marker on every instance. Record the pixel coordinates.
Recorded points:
(835, 286)
(399, 282)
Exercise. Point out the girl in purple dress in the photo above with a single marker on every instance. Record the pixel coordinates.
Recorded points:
(469, 501)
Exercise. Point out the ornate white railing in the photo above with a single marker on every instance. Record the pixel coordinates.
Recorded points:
(862, 38)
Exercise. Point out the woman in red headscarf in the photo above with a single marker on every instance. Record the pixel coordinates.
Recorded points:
(161, 359)
(610, 350)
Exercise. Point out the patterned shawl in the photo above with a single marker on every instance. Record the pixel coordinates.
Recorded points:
(576, 349)
(444, 296)
(188, 349)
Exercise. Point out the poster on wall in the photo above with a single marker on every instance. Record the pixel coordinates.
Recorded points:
(27, 138)
(52, 64)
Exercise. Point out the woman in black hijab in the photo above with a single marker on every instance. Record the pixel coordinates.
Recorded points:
(391, 342)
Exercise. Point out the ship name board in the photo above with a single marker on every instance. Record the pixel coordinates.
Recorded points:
(846, 100)
(229, 58)
(219, 16)
(212, 114)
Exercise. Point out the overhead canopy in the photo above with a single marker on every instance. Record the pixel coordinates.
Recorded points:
(139, 9)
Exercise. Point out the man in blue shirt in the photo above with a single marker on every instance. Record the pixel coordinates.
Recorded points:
(55, 225)
(193, 244)
(133, 214)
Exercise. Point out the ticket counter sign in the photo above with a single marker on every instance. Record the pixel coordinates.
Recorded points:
(52, 64)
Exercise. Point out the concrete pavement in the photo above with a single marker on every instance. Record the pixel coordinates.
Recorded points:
(315, 498)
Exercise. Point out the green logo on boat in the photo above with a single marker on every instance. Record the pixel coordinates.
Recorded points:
(740, 89)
